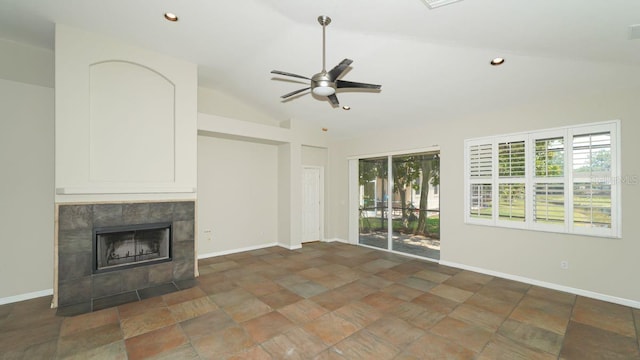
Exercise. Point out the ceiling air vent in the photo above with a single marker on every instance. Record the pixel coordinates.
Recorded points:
(432, 4)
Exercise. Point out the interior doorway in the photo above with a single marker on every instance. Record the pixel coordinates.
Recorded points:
(312, 203)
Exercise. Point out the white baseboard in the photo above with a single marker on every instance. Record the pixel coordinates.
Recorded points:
(568, 289)
(233, 251)
(292, 247)
(336, 240)
(27, 296)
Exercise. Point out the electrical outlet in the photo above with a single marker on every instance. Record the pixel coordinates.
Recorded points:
(564, 265)
(207, 234)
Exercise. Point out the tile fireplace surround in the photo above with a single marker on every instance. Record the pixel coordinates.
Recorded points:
(79, 289)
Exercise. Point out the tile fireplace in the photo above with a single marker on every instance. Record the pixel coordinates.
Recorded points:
(117, 249)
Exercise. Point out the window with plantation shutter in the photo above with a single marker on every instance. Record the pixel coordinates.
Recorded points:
(481, 201)
(480, 161)
(559, 180)
(511, 180)
(549, 181)
(548, 203)
(511, 160)
(549, 160)
(591, 180)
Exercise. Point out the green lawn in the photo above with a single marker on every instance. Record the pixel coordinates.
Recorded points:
(554, 210)
(375, 224)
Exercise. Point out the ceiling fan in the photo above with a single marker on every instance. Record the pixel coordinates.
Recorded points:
(326, 83)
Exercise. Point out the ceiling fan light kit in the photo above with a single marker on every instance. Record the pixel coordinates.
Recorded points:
(324, 91)
(326, 83)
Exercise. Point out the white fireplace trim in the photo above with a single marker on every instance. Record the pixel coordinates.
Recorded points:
(98, 190)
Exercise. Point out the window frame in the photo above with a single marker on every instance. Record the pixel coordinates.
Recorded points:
(530, 179)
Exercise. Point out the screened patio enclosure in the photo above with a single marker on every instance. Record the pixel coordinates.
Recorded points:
(399, 203)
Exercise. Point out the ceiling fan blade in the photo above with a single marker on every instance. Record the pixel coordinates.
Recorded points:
(294, 92)
(342, 84)
(334, 99)
(339, 69)
(288, 74)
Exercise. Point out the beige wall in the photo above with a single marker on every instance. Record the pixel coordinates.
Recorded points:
(598, 265)
(26, 205)
(314, 156)
(237, 195)
(26, 64)
(216, 102)
(26, 163)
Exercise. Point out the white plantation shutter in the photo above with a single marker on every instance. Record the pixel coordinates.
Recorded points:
(511, 180)
(548, 203)
(480, 161)
(512, 202)
(511, 159)
(481, 201)
(592, 161)
(560, 180)
(479, 169)
(549, 161)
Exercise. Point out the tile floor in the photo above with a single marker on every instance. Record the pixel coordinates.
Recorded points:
(330, 301)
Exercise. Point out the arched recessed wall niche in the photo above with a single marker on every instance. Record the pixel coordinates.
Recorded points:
(132, 124)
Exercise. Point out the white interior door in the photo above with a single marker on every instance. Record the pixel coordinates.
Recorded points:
(311, 204)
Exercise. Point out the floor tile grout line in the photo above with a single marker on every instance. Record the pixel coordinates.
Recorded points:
(494, 335)
(360, 259)
(573, 309)
(636, 320)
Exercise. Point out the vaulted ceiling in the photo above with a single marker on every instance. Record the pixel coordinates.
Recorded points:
(433, 64)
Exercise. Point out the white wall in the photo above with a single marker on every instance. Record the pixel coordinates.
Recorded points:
(314, 156)
(126, 121)
(293, 139)
(215, 102)
(26, 64)
(237, 195)
(26, 164)
(26, 205)
(598, 265)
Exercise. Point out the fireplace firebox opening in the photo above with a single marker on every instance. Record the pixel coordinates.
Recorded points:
(121, 247)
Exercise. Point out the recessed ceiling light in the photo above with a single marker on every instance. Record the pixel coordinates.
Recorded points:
(171, 16)
(346, 107)
(497, 61)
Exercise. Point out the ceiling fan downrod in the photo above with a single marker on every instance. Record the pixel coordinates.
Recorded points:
(324, 21)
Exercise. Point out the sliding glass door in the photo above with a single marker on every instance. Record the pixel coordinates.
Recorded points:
(416, 204)
(403, 217)
(373, 174)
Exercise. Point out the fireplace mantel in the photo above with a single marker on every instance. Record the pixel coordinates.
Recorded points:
(101, 190)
